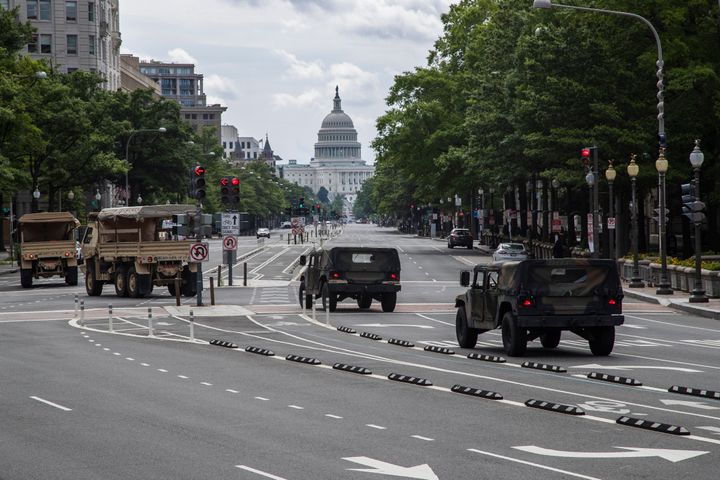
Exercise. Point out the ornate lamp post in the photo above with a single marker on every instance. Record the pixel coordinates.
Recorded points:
(698, 292)
(661, 165)
(98, 198)
(610, 175)
(633, 169)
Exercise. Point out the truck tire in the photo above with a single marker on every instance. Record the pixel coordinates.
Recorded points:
(92, 286)
(71, 276)
(171, 289)
(470, 247)
(189, 285)
(120, 281)
(137, 284)
(514, 338)
(329, 300)
(602, 341)
(388, 301)
(466, 336)
(364, 301)
(26, 277)
(550, 339)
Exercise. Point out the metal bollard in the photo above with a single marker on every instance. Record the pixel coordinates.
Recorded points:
(327, 314)
(212, 291)
(76, 304)
(177, 292)
(219, 275)
(151, 331)
(192, 326)
(244, 274)
(110, 319)
(82, 312)
(288, 239)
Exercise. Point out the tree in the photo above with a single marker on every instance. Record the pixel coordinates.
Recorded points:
(322, 195)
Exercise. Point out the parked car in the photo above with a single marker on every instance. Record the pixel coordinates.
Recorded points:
(510, 251)
(460, 237)
(263, 232)
(286, 225)
(539, 299)
(360, 273)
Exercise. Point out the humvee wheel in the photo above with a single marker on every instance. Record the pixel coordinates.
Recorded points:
(602, 341)
(466, 336)
(514, 337)
(26, 277)
(388, 301)
(329, 300)
(550, 339)
(364, 301)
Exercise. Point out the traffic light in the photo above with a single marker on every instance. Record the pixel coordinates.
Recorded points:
(234, 191)
(585, 153)
(301, 203)
(225, 190)
(692, 207)
(197, 182)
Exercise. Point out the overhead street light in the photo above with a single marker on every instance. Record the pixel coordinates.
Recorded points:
(633, 169)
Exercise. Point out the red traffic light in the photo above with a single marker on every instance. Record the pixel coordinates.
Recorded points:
(224, 181)
(235, 181)
(585, 152)
(199, 171)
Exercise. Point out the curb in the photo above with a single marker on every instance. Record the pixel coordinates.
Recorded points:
(9, 271)
(684, 307)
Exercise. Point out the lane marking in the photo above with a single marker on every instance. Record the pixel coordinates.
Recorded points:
(48, 402)
(206, 384)
(162, 370)
(263, 399)
(422, 438)
(230, 390)
(536, 465)
(684, 327)
(259, 472)
(333, 416)
(377, 427)
(183, 377)
(296, 407)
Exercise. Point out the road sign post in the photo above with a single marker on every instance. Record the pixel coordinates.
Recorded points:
(229, 248)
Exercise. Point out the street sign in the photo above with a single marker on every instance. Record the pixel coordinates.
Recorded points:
(199, 252)
(591, 239)
(611, 223)
(556, 225)
(230, 224)
(230, 242)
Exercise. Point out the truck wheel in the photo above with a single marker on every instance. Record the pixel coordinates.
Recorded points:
(71, 276)
(602, 341)
(304, 296)
(121, 282)
(514, 338)
(470, 247)
(26, 277)
(92, 286)
(171, 288)
(466, 336)
(329, 300)
(135, 284)
(388, 301)
(550, 339)
(364, 301)
(189, 285)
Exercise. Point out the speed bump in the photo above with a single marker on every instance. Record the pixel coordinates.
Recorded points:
(433, 348)
(299, 359)
(345, 329)
(260, 351)
(408, 379)
(544, 366)
(655, 426)
(476, 392)
(613, 378)
(555, 407)
(486, 358)
(371, 336)
(352, 368)
(402, 343)
(696, 392)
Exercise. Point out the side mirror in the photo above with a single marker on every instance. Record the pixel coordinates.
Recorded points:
(465, 278)
(303, 260)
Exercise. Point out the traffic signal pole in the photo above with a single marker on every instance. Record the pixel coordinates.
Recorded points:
(198, 236)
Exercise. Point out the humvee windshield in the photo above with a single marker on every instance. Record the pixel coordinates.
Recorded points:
(576, 280)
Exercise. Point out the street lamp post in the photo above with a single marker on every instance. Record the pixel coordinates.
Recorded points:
(591, 228)
(698, 292)
(610, 175)
(98, 198)
(127, 158)
(633, 169)
(661, 165)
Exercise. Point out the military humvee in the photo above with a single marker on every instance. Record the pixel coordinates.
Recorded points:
(541, 298)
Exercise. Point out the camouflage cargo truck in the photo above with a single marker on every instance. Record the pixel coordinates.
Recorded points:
(133, 248)
(532, 299)
(47, 247)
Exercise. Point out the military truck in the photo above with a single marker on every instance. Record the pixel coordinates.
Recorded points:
(541, 298)
(133, 248)
(47, 247)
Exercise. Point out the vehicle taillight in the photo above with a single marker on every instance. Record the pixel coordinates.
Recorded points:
(612, 302)
(394, 276)
(67, 254)
(335, 275)
(526, 301)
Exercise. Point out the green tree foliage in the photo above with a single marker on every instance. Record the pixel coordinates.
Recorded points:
(363, 207)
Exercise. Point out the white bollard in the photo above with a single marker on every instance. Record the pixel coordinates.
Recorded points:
(151, 331)
(82, 312)
(192, 326)
(327, 314)
(110, 319)
(76, 304)
(313, 308)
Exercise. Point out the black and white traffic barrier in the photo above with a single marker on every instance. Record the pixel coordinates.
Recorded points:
(151, 330)
(544, 366)
(424, 382)
(300, 359)
(110, 319)
(614, 379)
(223, 343)
(192, 326)
(443, 350)
(371, 336)
(476, 392)
(555, 407)
(655, 426)
(402, 343)
(695, 392)
(352, 369)
(82, 313)
(345, 329)
(260, 351)
(486, 358)
(77, 306)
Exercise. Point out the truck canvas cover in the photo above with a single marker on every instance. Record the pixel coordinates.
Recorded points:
(147, 211)
(49, 217)
(48, 227)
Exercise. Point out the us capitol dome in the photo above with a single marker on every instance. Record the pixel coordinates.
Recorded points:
(338, 165)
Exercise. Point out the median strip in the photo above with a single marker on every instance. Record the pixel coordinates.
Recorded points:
(346, 329)
(443, 350)
(696, 392)
(223, 343)
(402, 343)
(371, 336)
(486, 358)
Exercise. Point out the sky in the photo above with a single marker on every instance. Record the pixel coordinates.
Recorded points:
(275, 63)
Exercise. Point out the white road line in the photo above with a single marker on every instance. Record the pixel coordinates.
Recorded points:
(183, 377)
(106, 349)
(130, 359)
(378, 427)
(333, 416)
(162, 370)
(684, 327)
(259, 472)
(422, 438)
(206, 384)
(117, 354)
(230, 390)
(537, 465)
(296, 407)
(48, 402)
(262, 398)
(145, 364)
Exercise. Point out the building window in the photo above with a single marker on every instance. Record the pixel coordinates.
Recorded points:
(72, 45)
(231, 145)
(91, 48)
(71, 70)
(45, 43)
(187, 86)
(71, 11)
(224, 145)
(211, 116)
(91, 11)
(187, 116)
(5, 4)
(194, 116)
(33, 45)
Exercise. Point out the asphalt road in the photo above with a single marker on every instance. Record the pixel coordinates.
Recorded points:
(79, 402)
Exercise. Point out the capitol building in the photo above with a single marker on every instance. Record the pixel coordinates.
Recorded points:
(338, 165)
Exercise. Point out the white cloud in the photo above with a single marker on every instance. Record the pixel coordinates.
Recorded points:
(363, 86)
(299, 68)
(217, 84)
(305, 99)
(179, 55)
